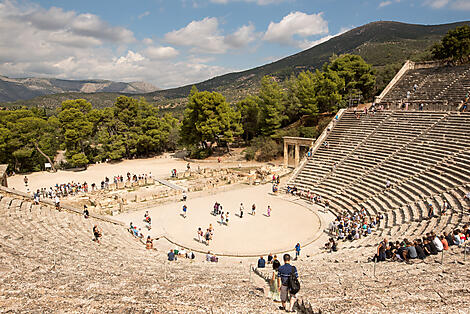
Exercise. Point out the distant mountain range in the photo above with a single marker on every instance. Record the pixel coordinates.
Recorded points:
(381, 44)
(13, 89)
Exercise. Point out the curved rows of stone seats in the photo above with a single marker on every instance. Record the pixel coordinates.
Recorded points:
(345, 282)
(48, 262)
(347, 134)
(425, 157)
(450, 83)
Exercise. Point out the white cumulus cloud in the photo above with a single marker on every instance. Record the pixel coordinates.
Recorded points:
(160, 52)
(205, 36)
(67, 45)
(202, 36)
(296, 24)
(461, 5)
(242, 37)
(436, 4)
(384, 4)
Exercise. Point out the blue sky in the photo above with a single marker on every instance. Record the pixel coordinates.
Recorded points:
(171, 43)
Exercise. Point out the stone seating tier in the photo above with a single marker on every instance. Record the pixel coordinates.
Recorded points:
(446, 83)
(50, 264)
(427, 164)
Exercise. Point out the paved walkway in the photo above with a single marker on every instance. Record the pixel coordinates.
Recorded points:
(248, 236)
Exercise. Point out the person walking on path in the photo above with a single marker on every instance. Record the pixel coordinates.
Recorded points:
(269, 211)
(57, 203)
(297, 251)
(241, 210)
(430, 210)
(226, 218)
(222, 221)
(207, 236)
(185, 208)
(285, 273)
(274, 283)
(200, 234)
(253, 209)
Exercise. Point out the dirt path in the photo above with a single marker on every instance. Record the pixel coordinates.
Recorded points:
(160, 167)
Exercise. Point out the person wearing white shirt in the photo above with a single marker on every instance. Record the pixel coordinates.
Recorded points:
(437, 242)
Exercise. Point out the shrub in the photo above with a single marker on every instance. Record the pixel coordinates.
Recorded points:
(263, 149)
(250, 153)
(79, 160)
(199, 153)
(310, 132)
(269, 150)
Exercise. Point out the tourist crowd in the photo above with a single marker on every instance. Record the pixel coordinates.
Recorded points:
(74, 188)
(174, 254)
(310, 196)
(353, 226)
(420, 248)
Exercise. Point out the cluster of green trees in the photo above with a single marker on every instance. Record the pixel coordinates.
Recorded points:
(208, 119)
(309, 93)
(134, 128)
(259, 119)
(454, 46)
(131, 128)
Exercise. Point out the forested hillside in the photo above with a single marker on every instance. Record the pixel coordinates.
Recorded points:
(133, 128)
(384, 45)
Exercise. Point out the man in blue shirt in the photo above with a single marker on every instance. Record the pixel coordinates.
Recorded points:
(261, 262)
(297, 251)
(171, 256)
(283, 282)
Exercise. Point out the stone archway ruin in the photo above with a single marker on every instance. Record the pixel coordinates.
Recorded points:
(296, 142)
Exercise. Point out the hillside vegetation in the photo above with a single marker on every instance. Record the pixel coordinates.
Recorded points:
(135, 128)
(12, 89)
(384, 45)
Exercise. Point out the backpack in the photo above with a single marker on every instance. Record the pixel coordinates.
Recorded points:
(293, 282)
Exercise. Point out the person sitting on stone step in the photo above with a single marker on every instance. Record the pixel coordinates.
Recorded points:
(97, 234)
(410, 250)
(457, 240)
(149, 243)
(467, 196)
(171, 256)
(437, 242)
(419, 249)
(86, 213)
(449, 238)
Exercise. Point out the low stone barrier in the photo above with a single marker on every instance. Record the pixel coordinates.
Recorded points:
(63, 207)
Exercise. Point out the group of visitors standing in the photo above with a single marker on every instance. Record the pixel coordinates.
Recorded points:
(205, 237)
